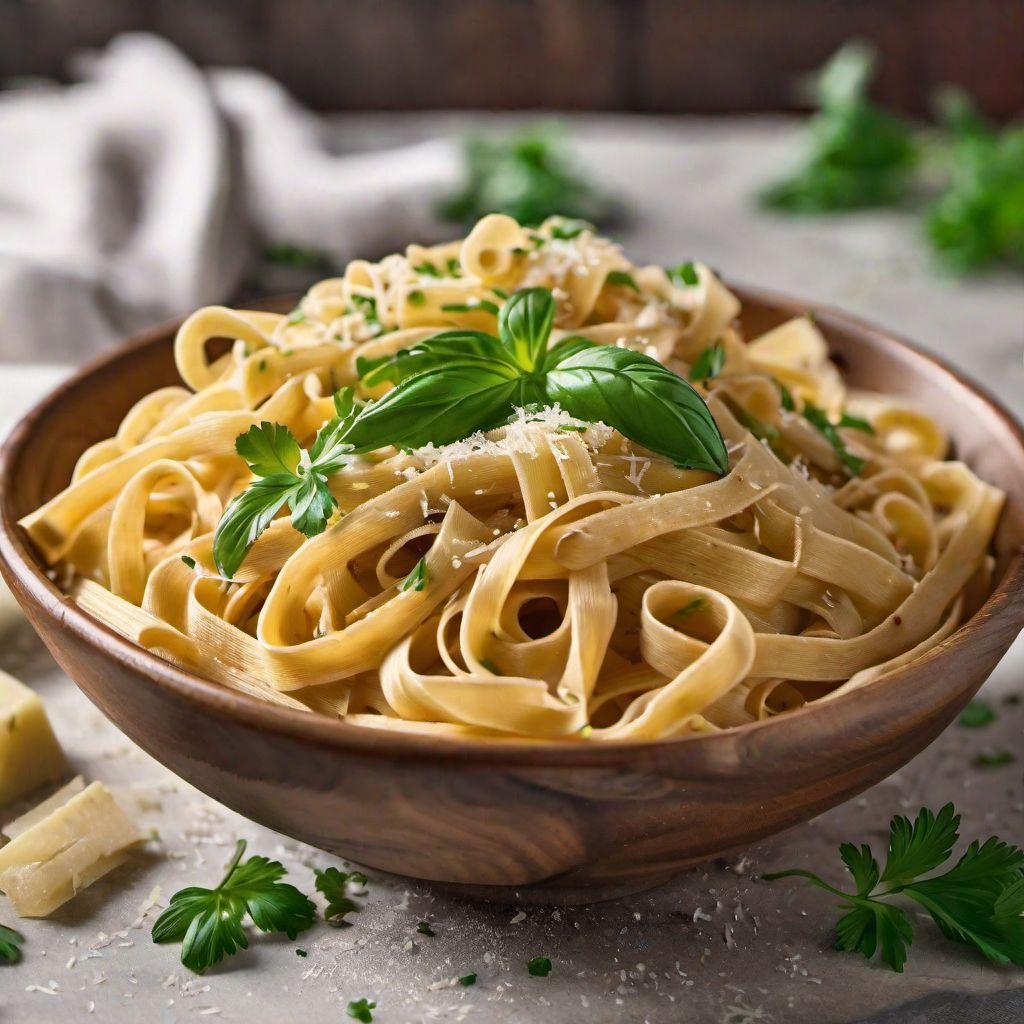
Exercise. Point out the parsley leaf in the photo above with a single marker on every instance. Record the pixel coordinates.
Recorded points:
(359, 1009)
(467, 980)
(10, 943)
(918, 847)
(333, 885)
(424, 929)
(269, 449)
(979, 901)
(275, 458)
(208, 922)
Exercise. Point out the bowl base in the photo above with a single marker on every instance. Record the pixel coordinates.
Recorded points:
(556, 892)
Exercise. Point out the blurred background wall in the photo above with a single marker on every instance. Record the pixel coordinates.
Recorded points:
(707, 57)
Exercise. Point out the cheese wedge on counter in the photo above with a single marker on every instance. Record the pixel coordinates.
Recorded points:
(61, 852)
(14, 828)
(29, 752)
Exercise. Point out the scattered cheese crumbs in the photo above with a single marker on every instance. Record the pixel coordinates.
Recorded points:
(75, 844)
(518, 437)
(29, 752)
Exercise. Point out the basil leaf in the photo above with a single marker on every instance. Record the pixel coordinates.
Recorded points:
(268, 449)
(642, 399)
(247, 517)
(525, 326)
(311, 504)
(437, 406)
(566, 347)
(436, 352)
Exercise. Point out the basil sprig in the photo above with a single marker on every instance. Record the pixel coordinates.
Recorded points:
(455, 384)
(459, 382)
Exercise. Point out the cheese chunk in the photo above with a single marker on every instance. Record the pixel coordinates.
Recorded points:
(14, 828)
(29, 752)
(65, 851)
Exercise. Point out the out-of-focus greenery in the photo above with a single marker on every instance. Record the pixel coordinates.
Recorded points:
(979, 219)
(858, 155)
(527, 175)
(861, 156)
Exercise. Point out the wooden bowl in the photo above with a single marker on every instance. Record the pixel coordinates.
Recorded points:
(511, 820)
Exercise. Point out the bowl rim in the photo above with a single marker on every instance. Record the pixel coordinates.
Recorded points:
(21, 565)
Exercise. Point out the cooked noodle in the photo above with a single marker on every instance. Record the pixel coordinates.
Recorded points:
(576, 586)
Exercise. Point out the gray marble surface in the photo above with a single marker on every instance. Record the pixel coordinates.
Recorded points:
(716, 946)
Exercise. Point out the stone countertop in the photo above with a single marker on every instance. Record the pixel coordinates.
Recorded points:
(715, 946)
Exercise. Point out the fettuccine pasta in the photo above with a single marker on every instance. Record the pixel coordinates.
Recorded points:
(569, 584)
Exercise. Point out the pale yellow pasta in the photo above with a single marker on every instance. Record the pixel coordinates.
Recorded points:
(572, 585)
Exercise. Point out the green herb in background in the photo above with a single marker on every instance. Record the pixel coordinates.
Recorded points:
(359, 1009)
(208, 922)
(979, 219)
(979, 901)
(10, 943)
(858, 155)
(286, 255)
(467, 979)
(976, 714)
(526, 175)
(423, 928)
(993, 759)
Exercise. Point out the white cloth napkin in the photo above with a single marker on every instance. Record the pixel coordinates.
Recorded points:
(140, 193)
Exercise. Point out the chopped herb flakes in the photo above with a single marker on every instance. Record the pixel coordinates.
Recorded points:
(467, 980)
(189, 561)
(818, 418)
(296, 316)
(424, 929)
(539, 966)
(709, 363)
(684, 274)
(417, 298)
(417, 579)
(623, 280)
(359, 1009)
